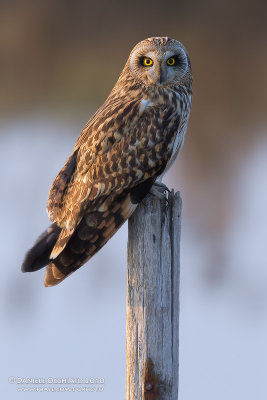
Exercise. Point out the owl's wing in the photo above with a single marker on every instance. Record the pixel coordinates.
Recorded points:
(141, 154)
(97, 136)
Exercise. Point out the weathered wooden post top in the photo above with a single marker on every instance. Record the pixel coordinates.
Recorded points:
(152, 309)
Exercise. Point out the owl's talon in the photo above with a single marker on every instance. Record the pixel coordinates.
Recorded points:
(162, 187)
(159, 190)
(157, 193)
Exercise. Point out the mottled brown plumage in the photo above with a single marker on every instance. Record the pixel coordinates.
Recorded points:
(129, 142)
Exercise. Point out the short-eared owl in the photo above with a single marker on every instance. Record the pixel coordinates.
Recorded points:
(129, 142)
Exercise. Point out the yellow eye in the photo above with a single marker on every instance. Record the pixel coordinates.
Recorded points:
(147, 62)
(171, 61)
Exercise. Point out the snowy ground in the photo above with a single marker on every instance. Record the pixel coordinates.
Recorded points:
(77, 329)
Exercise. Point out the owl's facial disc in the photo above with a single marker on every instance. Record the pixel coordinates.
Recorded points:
(155, 66)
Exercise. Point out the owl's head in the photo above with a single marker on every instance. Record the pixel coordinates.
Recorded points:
(160, 61)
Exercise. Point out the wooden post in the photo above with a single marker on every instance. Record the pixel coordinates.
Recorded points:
(152, 311)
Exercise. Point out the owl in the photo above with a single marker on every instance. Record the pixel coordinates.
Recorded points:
(128, 144)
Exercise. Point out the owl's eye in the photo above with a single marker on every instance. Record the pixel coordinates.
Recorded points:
(147, 62)
(171, 61)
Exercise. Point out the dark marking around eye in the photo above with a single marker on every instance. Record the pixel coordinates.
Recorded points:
(179, 61)
(145, 61)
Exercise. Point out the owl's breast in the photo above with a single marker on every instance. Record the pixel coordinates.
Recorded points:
(177, 145)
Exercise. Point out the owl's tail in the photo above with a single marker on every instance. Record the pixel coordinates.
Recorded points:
(94, 230)
(39, 255)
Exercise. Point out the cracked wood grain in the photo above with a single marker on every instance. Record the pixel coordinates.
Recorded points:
(152, 309)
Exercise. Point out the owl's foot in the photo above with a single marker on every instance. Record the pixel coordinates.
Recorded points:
(159, 190)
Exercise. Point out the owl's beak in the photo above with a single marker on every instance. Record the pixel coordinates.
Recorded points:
(157, 75)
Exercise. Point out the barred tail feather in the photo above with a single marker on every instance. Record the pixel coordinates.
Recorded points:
(94, 230)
